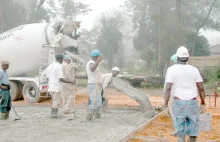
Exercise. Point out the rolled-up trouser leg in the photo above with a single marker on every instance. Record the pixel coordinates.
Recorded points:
(186, 117)
(193, 119)
(95, 103)
(179, 117)
(67, 98)
(5, 101)
(56, 98)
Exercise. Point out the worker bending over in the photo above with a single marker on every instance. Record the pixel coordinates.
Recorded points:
(185, 83)
(173, 61)
(5, 97)
(94, 85)
(107, 80)
(68, 89)
(55, 77)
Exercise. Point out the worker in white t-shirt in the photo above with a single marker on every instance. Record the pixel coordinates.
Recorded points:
(185, 82)
(94, 85)
(55, 77)
(107, 80)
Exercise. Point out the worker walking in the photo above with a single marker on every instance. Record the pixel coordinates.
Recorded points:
(173, 61)
(107, 80)
(5, 97)
(94, 85)
(185, 83)
(67, 89)
(55, 77)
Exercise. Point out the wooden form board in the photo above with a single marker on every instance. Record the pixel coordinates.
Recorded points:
(142, 127)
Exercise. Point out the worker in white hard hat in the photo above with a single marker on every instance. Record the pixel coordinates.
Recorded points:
(5, 97)
(107, 80)
(94, 85)
(68, 89)
(185, 82)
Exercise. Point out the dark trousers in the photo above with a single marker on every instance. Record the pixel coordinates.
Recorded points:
(5, 101)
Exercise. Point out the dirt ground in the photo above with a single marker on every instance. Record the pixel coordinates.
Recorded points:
(35, 124)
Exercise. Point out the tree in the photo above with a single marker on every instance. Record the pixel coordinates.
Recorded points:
(202, 46)
(11, 15)
(110, 38)
(72, 9)
(89, 38)
(163, 26)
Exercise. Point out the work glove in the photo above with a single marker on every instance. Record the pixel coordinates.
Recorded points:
(166, 111)
(202, 109)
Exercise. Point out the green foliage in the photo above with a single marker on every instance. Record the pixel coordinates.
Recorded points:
(212, 74)
(72, 9)
(162, 26)
(110, 39)
(202, 45)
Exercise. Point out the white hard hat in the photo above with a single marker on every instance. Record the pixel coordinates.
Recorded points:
(116, 69)
(182, 52)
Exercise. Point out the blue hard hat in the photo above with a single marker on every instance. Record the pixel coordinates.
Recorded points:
(95, 53)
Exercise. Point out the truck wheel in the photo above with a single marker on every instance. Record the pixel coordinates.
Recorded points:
(15, 91)
(31, 92)
(20, 85)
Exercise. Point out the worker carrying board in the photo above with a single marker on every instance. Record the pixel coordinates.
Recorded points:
(94, 85)
(185, 83)
(105, 81)
(5, 97)
(68, 89)
(55, 77)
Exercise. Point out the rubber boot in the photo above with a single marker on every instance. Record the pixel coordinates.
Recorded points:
(7, 114)
(181, 139)
(98, 113)
(105, 106)
(192, 139)
(89, 115)
(54, 113)
(3, 116)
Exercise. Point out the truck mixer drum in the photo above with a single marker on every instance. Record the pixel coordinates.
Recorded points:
(31, 92)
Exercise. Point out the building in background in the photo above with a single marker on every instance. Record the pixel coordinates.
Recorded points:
(215, 50)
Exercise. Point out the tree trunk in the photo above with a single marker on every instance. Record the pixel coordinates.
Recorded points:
(202, 23)
(2, 3)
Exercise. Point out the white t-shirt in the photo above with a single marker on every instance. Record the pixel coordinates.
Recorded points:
(106, 79)
(92, 76)
(184, 79)
(54, 73)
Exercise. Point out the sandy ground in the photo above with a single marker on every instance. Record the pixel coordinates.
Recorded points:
(36, 125)
(162, 126)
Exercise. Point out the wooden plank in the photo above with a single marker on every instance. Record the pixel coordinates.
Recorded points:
(151, 139)
(142, 127)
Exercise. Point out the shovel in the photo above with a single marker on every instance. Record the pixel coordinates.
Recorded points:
(17, 117)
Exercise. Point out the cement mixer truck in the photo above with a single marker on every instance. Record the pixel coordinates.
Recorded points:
(30, 49)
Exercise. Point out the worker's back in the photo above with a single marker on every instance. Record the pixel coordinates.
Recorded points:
(184, 78)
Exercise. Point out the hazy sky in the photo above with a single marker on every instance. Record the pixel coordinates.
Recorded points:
(100, 6)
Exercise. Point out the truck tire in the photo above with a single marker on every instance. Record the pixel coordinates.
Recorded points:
(20, 85)
(15, 91)
(31, 92)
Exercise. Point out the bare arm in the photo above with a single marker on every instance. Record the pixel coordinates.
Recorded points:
(167, 93)
(94, 66)
(65, 81)
(201, 92)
